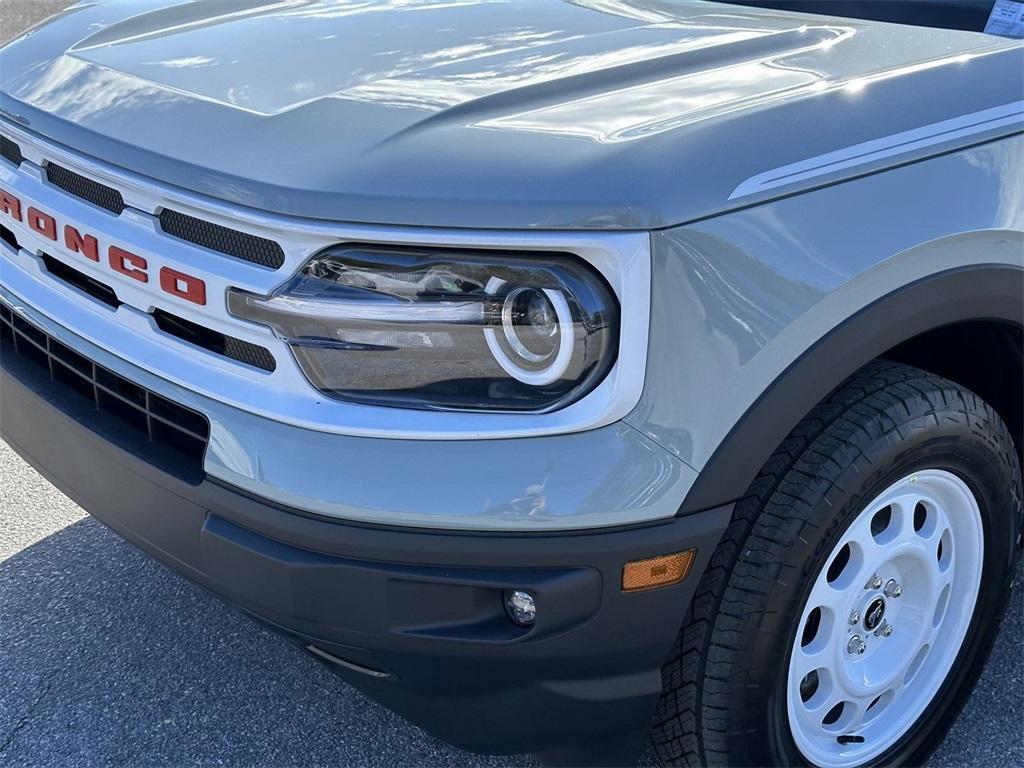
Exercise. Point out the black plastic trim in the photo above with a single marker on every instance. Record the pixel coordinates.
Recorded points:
(232, 242)
(142, 422)
(214, 341)
(10, 151)
(969, 15)
(107, 198)
(8, 236)
(83, 282)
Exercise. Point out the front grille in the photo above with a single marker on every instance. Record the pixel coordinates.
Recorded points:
(10, 150)
(9, 237)
(81, 281)
(241, 245)
(207, 338)
(215, 341)
(86, 189)
(161, 422)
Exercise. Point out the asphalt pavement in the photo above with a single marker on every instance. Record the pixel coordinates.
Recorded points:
(109, 658)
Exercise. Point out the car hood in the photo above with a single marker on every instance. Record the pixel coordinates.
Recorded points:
(484, 113)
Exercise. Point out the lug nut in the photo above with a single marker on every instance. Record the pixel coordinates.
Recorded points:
(887, 631)
(875, 582)
(855, 617)
(856, 645)
(892, 589)
(884, 629)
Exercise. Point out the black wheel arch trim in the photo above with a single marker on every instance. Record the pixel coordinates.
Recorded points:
(993, 292)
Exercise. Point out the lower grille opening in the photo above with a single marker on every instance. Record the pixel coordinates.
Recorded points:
(176, 436)
(214, 341)
(9, 237)
(81, 281)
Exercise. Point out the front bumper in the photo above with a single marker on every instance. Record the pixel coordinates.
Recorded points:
(414, 618)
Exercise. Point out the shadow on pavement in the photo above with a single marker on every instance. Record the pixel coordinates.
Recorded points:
(107, 657)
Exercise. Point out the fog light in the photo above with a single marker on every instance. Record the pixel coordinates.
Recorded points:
(521, 607)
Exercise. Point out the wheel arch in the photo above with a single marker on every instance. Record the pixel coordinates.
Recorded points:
(988, 294)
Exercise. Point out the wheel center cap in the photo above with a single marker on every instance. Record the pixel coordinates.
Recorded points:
(874, 614)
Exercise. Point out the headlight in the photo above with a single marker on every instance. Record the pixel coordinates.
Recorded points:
(444, 329)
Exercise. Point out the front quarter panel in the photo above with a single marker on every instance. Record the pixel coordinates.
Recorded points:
(741, 298)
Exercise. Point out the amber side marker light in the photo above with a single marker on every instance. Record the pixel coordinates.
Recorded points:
(654, 572)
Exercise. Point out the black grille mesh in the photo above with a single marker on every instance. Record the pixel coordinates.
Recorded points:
(10, 150)
(250, 354)
(241, 245)
(86, 189)
(215, 341)
(161, 421)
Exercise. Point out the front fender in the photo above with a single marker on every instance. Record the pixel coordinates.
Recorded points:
(759, 314)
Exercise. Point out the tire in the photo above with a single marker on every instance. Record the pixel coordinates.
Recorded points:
(726, 686)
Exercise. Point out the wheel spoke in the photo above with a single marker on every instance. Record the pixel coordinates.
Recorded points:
(873, 553)
(874, 707)
(912, 668)
(853, 564)
(937, 613)
(941, 523)
(816, 712)
(904, 511)
(860, 707)
(804, 663)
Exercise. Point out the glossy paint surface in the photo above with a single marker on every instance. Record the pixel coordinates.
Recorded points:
(739, 298)
(486, 113)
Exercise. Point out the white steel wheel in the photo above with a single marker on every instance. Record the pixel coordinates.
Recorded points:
(885, 620)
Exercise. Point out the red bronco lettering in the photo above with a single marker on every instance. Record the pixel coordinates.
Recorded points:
(178, 284)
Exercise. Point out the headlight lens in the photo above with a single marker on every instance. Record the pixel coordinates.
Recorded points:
(444, 329)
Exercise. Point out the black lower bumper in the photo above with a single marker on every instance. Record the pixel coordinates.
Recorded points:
(414, 618)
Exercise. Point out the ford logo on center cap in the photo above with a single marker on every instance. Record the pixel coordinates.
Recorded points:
(873, 615)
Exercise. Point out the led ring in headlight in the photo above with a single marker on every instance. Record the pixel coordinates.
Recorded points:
(521, 361)
(447, 330)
